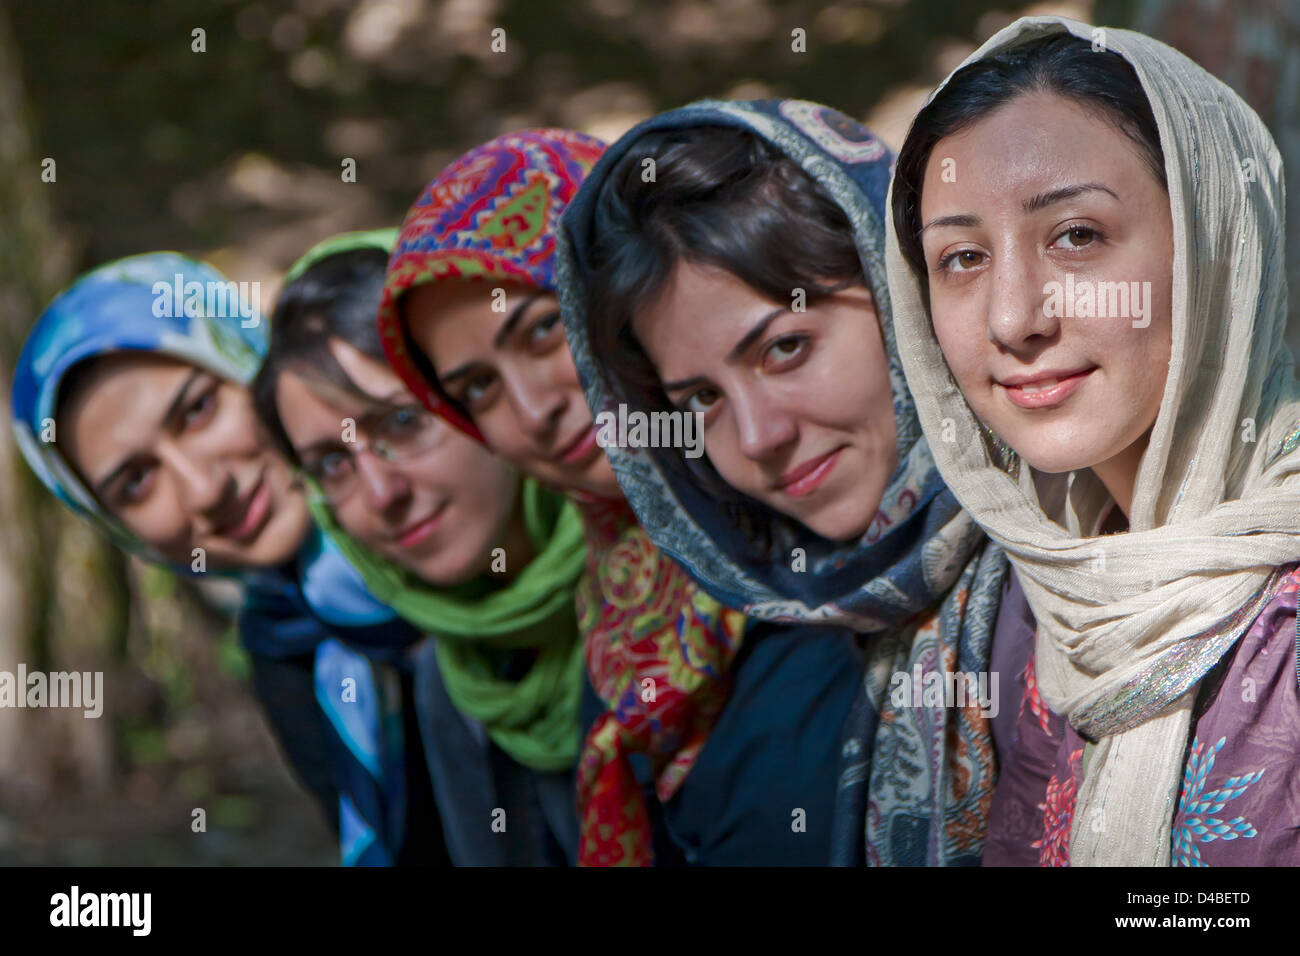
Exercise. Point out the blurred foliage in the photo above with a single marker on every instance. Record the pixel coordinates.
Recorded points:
(142, 127)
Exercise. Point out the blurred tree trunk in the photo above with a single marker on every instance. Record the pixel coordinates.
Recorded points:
(64, 596)
(1254, 47)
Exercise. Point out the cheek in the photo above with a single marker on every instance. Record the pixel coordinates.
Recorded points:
(722, 447)
(960, 341)
(162, 522)
(503, 435)
(237, 432)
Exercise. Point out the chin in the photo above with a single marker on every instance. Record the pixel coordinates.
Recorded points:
(597, 479)
(281, 539)
(1057, 460)
(447, 571)
(843, 528)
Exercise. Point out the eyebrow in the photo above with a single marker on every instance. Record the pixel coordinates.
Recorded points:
(1033, 204)
(1043, 200)
(178, 399)
(384, 405)
(516, 314)
(498, 340)
(746, 340)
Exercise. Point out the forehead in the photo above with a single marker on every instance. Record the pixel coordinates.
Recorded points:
(698, 305)
(122, 380)
(1032, 142)
(454, 314)
(116, 401)
(370, 375)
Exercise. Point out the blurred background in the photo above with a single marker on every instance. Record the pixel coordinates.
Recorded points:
(234, 155)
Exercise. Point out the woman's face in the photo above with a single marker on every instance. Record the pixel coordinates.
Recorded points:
(798, 409)
(178, 455)
(1051, 204)
(439, 509)
(500, 351)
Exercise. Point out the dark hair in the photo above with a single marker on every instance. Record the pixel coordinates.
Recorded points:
(337, 297)
(1062, 64)
(721, 197)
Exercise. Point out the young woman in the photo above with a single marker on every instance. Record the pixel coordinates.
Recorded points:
(1097, 284)
(131, 404)
(739, 743)
(444, 532)
(725, 261)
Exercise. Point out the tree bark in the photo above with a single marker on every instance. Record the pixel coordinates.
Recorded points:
(1254, 47)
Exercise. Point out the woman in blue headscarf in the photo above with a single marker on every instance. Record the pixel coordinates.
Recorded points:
(130, 402)
(722, 271)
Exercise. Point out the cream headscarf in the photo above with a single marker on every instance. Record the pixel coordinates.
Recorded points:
(1128, 624)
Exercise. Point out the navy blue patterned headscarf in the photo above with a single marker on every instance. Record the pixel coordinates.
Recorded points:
(922, 582)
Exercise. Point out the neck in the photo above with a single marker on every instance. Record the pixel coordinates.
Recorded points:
(518, 545)
(1119, 474)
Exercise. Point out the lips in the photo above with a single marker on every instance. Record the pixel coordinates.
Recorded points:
(418, 531)
(579, 448)
(250, 515)
(1045, 389)
(805, 478)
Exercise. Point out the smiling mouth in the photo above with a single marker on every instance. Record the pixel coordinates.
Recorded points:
(578, 449)
(251, 515)
(1043, 391)
(805, 478)
(413, 534)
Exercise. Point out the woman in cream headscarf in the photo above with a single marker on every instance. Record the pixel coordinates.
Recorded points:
(1164, 407)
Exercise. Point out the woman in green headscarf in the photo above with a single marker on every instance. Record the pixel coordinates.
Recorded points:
(450, 537)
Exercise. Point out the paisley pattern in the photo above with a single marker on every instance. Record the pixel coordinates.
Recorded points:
(658, 650)
(922, 585)
(487, 216)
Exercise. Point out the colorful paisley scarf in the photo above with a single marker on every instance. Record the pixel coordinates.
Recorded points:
(657, 648)
(922, 584)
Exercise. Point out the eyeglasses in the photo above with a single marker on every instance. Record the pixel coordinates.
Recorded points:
(398, 434)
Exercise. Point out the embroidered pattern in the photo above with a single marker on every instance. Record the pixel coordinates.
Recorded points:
(1198, 804)
(1058, 817)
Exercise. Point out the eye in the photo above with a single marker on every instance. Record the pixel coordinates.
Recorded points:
(1076, 237)
(960, 260)
(542, 331)
(330, 465)
(785, 352)
(135, 484)
(477, 388)
(408, 418)
(199, 411)
(701, 400)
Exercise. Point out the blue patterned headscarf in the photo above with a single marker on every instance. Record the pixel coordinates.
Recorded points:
(922, 582)
(141, 303)
(167, 304)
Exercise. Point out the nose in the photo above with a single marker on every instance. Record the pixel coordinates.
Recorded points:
(384, 488)
(206, 487)
(1018, 316)
(538, 403)
(763, 427)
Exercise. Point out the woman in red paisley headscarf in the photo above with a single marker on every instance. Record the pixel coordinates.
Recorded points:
(471, 322)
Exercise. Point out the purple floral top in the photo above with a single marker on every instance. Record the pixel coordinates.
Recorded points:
(1240, 798)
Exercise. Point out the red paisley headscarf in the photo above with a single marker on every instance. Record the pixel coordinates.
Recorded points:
(659, 650)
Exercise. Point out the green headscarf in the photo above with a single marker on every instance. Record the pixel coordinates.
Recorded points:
(534, 719)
